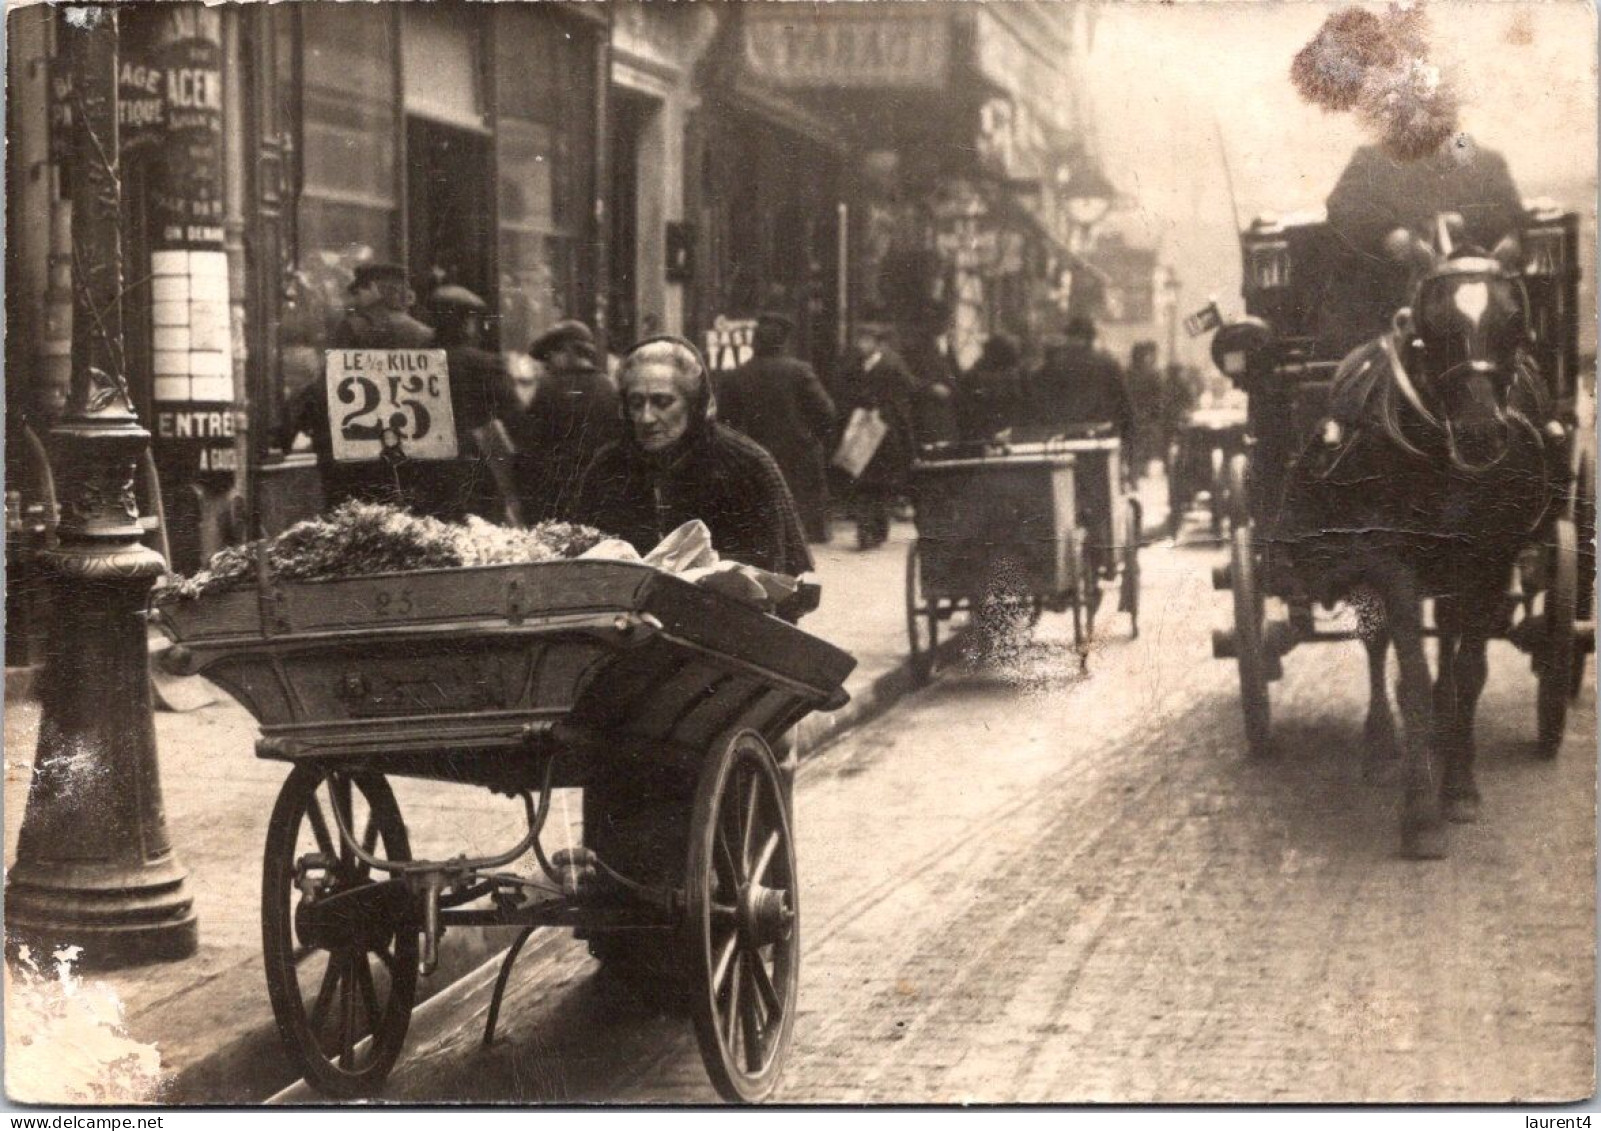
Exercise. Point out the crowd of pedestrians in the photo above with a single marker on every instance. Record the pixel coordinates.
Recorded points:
(769, 450)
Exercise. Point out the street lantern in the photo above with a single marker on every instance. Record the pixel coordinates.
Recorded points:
(95, 868)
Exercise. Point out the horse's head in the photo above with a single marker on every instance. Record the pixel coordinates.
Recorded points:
(1462, 337)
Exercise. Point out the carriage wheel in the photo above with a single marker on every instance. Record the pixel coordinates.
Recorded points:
(922, 621)
(341, 989)
(1129, 598)
(1582, 511)
(1556, 665)
(742, 920)
(1248, 642)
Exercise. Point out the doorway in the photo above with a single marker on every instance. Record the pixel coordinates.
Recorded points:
(449, 221)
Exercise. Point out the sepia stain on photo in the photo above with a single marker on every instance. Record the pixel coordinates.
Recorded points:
(908, 554)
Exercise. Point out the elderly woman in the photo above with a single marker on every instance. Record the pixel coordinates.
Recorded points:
(676, 463)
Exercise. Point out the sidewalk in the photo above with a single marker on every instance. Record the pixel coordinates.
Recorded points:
(208, 1017)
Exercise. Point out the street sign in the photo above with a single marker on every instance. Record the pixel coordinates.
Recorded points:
(381, 399)
(728, 343)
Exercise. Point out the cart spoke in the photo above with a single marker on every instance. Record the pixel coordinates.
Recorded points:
(369, 992)
(759, 871)
(732, 1019)
(387, 959)
(724, 957)
(339, 787)
(319, 827)
(764, 987)
(748, 829)
(369, 837)
(724, 911)
(751, 1023)
(325, 993)
(347, 1018)
(727, 869)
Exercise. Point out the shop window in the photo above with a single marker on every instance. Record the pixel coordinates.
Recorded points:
(347, 204)
(545, 129)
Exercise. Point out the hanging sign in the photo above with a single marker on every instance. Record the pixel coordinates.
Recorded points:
(728, 343)
(390, 399)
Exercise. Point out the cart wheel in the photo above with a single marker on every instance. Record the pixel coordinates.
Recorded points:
(1129, 597)
(922, 621)
(1582, 510)
(1556, 666)
(341, 987)
(1248, 642)
(1239, 499)
(742, 919)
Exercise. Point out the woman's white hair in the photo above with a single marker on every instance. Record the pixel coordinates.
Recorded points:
(689, 372)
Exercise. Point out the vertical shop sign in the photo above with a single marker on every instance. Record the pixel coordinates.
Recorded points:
(171, 95)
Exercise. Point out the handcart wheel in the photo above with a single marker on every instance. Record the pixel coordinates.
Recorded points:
(922, 621)
(1129, 598)
(342, 982)
(1177, 498)
(1239, 500)
(1582, 510)
(1252, 656)
(742, 919)
(1220, 488)
(1558, 650)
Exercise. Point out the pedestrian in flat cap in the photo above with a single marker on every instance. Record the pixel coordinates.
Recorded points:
(991, 397)
(573, 415)
(878, 380)
(377, 317)
(777, 400)
(677, 463)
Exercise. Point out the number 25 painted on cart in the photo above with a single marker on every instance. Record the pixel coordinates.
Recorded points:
(380, 399)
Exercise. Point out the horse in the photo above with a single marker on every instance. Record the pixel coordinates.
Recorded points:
(1432, 469)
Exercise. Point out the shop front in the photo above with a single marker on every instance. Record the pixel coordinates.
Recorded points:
(461, 141)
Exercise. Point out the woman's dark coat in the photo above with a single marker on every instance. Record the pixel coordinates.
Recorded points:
(779, 402)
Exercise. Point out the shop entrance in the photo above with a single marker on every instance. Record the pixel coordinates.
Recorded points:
(448, 214)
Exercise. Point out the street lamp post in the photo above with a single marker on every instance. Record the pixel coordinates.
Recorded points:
(95, 867)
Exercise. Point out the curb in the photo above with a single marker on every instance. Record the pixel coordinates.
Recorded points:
(251, 1067)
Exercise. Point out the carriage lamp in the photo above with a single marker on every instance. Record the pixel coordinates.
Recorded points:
(95, 868)
(1543, 253)
(1268, 265)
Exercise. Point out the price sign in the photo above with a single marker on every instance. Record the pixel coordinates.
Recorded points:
(383, 399)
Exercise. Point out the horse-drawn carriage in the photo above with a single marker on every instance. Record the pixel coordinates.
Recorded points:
(663, 701)
(1285, 356)
(1008, 529)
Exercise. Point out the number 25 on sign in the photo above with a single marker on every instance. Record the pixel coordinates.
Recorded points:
(382, 399)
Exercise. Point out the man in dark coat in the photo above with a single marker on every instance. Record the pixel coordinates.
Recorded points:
(676, 464)
(1079, 385)
(777, 400)
(575, 413)
(378, 316)
(1382, 217)
(990, 398)
(880, 381)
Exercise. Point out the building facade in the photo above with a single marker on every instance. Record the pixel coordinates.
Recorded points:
(644, 167)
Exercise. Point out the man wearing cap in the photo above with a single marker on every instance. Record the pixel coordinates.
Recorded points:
(1079, 385)
(574, 413)
(777, 400)
(376, 319)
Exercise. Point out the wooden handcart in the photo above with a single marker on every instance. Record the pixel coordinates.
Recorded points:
(662, 701)
(1006, 531)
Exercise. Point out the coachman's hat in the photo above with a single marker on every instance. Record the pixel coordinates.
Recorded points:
(369, 273)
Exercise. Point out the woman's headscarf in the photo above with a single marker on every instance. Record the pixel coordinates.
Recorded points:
(691, 377)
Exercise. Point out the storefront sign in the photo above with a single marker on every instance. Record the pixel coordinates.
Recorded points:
(196, 437)
(853, 45)
(379, 399)
(189, 197)
(728, 343)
